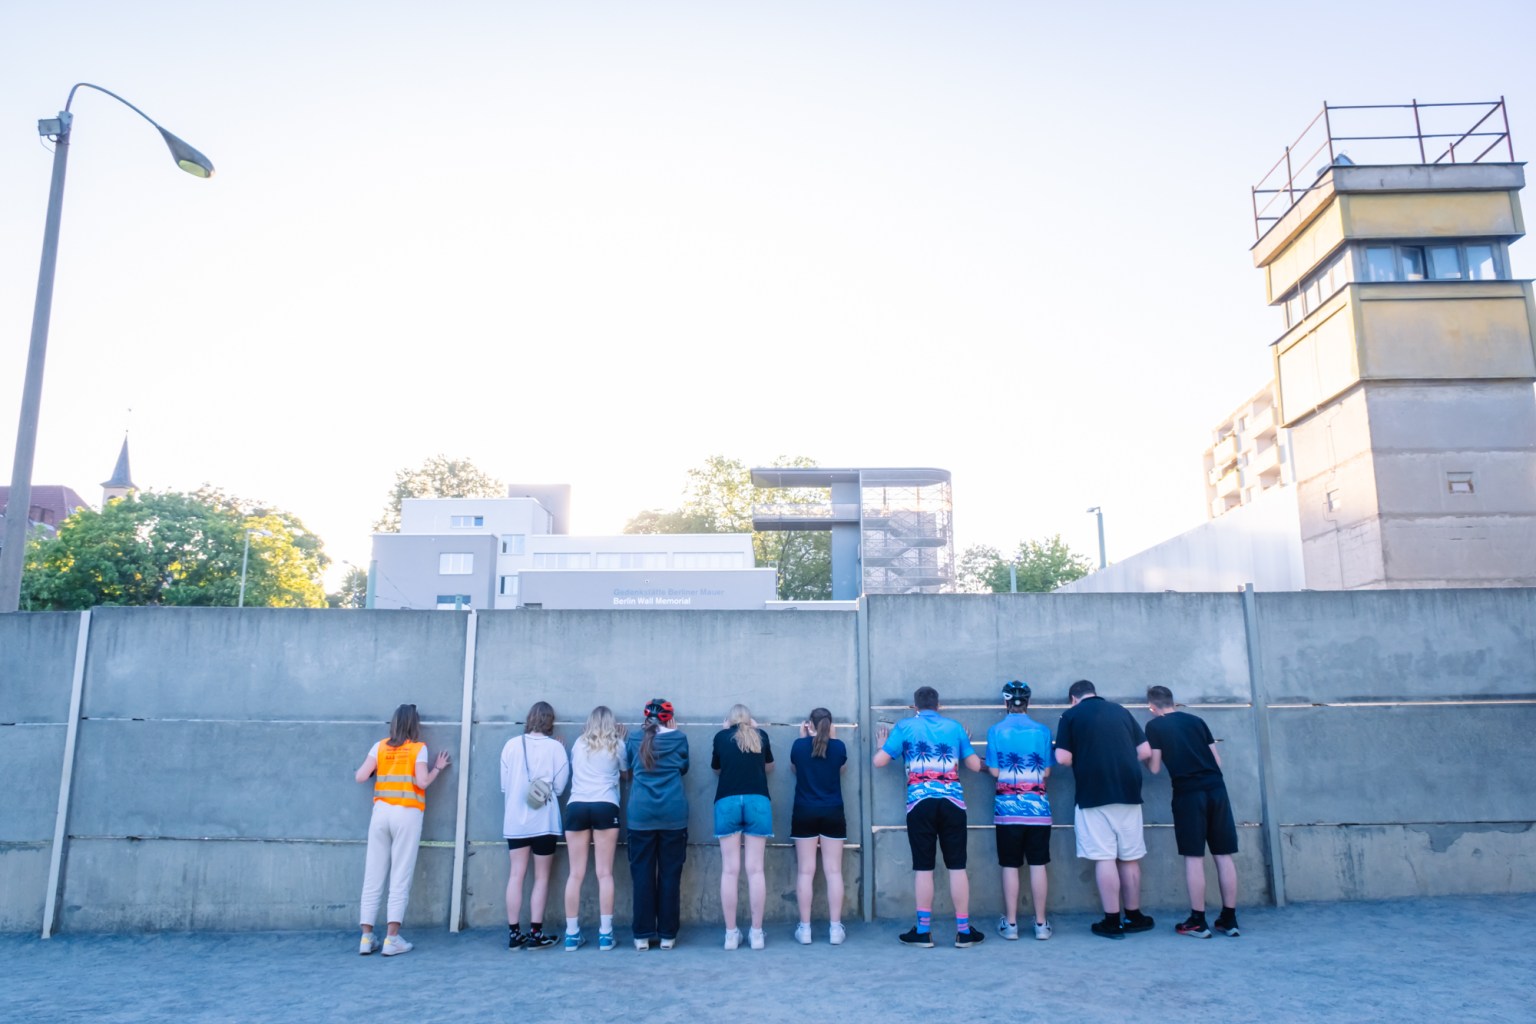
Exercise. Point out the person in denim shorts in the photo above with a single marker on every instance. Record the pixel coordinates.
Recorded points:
(742, 758)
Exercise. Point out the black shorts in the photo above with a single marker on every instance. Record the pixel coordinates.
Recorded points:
(936, 820)
(1201, 817)
(1018, 844)
(542, 846)
(813, 822)
(581, 816)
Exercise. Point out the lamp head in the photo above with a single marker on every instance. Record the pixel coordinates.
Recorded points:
(187, 158)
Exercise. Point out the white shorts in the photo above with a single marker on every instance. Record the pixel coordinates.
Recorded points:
(1110, 832)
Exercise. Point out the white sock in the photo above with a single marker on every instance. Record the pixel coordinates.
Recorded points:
(605, 924)
(573, 926)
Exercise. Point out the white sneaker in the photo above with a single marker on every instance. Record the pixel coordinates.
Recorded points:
(370, 944)
(668, 943)
(642, 945)
(1043, 931)
(733, 938)
(803, 933)
(395, 945)
(838, 933)
(756, 939)
(1006, 930)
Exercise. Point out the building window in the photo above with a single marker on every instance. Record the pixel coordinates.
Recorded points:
(512, 543)
(630, 560)
(455, 563)
(1480, 265)
(1442, 261)
(707, 560)
(465, 522)
(562, 559)
(1458, 483)
(453, 602)
(508, 586)
(1333, 501)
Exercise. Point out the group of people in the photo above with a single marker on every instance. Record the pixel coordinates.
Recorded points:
(1100, 741)
(535, 770)
(1104, 746)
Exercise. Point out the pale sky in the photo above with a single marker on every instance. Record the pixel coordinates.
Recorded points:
(596, 242)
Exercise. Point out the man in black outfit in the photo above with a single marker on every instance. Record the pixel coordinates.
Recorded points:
(1104, 747)
(1201, 811)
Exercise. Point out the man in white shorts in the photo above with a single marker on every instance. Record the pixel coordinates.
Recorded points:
(1104, 746)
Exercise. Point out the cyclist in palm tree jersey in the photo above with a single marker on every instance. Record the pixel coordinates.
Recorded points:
(932, 748)
(1019, 757)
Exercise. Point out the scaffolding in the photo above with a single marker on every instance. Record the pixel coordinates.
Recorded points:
(903, 519)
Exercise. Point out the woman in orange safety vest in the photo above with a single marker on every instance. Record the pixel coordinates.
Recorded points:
(401, 777)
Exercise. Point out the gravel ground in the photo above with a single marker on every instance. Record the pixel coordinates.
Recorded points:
(1471, 959)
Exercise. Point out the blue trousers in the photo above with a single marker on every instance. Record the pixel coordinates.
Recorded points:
(656, 873)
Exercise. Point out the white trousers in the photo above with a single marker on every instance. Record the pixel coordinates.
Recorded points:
(394, 835)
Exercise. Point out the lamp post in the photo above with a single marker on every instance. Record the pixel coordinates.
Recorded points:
(245, 561)
(1097, 511)
(12, 556)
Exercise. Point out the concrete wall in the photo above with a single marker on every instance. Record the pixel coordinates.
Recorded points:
(212, 784)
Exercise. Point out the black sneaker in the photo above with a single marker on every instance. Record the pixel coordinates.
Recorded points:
(539, 940)
(912, 937)
(968, 938)
(516, 939)
(1108, 929)
(1194, 927)
(1136, 921)
(1227, 926)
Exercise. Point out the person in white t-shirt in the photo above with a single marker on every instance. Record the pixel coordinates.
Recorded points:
(531, 830)
(592, 819)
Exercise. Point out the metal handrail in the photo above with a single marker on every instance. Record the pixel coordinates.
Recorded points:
(1274, 186)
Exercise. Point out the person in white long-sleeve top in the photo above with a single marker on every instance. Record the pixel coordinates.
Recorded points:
(534, 769)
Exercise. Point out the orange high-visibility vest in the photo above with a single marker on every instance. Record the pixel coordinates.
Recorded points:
(395, 781)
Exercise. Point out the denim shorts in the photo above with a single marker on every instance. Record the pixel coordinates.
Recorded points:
(751, 814)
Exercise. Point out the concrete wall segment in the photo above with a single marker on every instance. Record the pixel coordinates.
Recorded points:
(272, 664)
(37, 665)
(1403, 645)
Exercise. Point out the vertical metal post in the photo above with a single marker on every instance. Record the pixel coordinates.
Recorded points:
(66, 776)
(245, 561)
(372, 593)
(1328, 131)
(865, 752)
(13, 555)
(1013, 577)
(460, 825)
(1509, 141)
(1290, 177)
(1418, 131)
(1274, 854)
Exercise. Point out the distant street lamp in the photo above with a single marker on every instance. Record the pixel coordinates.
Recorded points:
(245, 561)
(12, 556)
(1096, 510)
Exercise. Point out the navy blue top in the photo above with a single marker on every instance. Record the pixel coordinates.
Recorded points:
(1102, 738)
(818, 780)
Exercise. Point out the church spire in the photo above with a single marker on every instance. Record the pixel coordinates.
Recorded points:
(122, 481)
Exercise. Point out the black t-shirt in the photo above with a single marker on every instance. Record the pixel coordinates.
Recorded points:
(741, 774)
(1185, 741)
(1102, 738)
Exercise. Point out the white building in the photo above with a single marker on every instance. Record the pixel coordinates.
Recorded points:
(512, 552)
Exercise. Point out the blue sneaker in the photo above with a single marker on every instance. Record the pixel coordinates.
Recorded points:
(604, 941)
(575, 942)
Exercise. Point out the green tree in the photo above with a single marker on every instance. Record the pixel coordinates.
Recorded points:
(718, 498)
(173, 548)
(353, 592)
(1042, 566)
(438, 477)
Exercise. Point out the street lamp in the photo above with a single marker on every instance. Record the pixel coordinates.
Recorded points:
(1096, 510)
(12, 556)
(245, 561)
